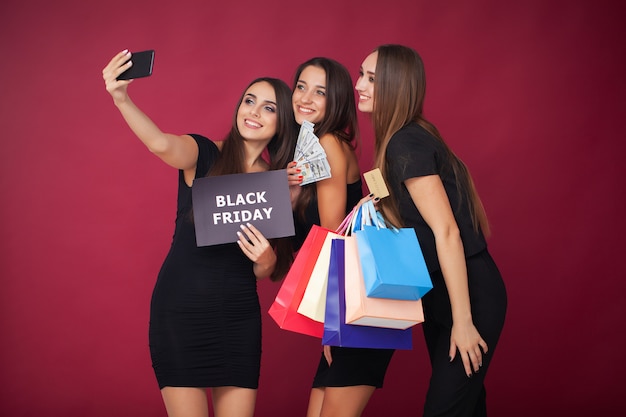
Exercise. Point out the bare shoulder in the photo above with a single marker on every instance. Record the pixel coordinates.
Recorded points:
(332, 144)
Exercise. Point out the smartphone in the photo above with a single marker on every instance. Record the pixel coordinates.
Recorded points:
(142, 65)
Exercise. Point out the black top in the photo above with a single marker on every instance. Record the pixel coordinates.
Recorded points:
(312, 215)
(413, 152)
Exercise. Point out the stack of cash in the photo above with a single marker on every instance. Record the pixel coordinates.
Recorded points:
(310, 156)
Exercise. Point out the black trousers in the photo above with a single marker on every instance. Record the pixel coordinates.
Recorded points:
(451, 392)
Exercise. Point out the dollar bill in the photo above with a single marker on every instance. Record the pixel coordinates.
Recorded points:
(310, 157)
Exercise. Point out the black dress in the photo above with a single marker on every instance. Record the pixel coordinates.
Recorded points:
(205, 316)
(351, 366)
(413, 152)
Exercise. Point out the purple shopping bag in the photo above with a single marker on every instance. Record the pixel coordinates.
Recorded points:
(336, 331)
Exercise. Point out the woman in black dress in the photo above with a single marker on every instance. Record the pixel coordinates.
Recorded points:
(432, 191)
(346, 378)
(205, 319)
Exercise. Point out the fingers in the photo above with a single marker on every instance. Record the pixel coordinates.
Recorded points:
(244, 243)
(472, 358)
(253, 234)
(119, 59)
(328, 355)
(467, 366)
(464, 358)
(452, 352)
(469, 360)
(252, 242)
(475, 360)
(483, 346)
(294, 176)
(365, 199)
(118, 64)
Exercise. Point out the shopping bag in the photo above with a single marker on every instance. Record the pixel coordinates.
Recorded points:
(284, 308)
(313, 302)
(368, 311)
(391, 259)
(336, 331)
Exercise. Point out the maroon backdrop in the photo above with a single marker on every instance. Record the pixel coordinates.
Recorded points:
(530, 94)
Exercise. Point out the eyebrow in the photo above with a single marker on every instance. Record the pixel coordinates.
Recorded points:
(254, 95)
(369, 72)
(318, 86)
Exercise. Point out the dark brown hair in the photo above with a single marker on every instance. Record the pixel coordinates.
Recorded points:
(399, 91)
(280, 151)
(280, 148)
(340, 117)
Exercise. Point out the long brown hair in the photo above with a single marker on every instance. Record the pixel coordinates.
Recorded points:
(280, 148)
(399, 91)
(280, 151)
(340, 117)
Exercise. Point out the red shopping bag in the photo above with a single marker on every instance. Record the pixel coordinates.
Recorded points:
(313, 301)
(284, 309)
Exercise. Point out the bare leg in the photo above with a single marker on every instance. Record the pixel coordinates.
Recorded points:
(233, 401)
(316, 399)
(185, 402)
(340, 401)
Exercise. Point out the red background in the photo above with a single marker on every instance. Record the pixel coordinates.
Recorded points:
(530, 94)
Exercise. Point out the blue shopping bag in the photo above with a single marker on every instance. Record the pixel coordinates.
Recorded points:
(391, 260)
(336, 331)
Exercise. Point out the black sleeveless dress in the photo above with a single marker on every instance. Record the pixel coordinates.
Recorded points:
(351, 366)
(205, 316)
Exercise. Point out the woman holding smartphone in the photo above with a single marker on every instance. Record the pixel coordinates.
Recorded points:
(205, 319)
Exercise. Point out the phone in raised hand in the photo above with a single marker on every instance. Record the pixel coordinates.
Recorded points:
(142, 65)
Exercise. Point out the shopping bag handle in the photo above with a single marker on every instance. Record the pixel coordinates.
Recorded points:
(364, 215)
(376, 218)
(345, 223)
(373, 217)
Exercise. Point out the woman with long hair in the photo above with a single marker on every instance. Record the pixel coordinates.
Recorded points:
(432, 191)
(205, 318)
(323, 95)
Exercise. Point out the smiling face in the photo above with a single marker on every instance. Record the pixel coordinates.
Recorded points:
(309, 96)
(365, 83)
(256, 116)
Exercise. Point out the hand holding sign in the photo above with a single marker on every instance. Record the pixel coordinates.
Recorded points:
(255, 246)
(222, 204)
